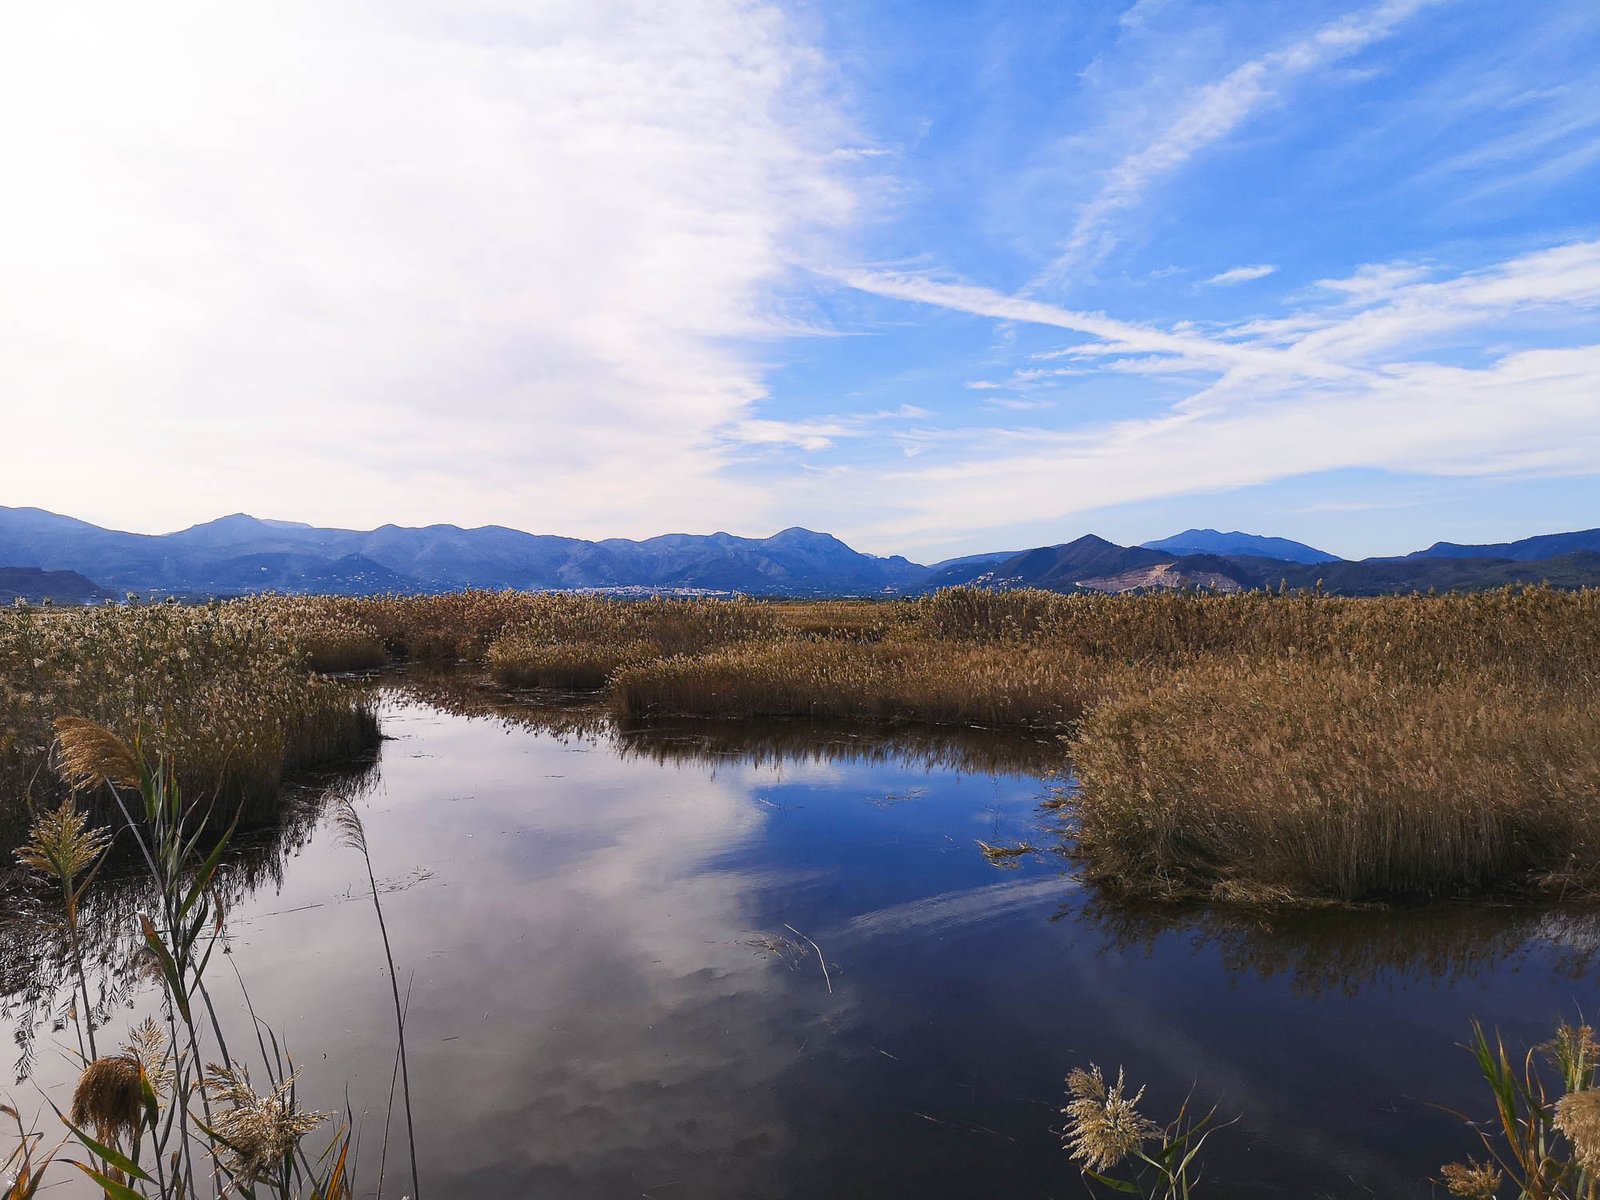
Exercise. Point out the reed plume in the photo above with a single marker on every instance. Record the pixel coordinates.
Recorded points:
(89, 756)
(257, 1133)
(1104, 1126)
(109, 1098)
(1472, 1181)
(62, 845)
(1578, 1119)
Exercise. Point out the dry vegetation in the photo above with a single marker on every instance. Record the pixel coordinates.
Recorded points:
(1244, 747)
(217, 688)
(1249, 746)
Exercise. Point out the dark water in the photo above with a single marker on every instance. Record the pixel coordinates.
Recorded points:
(614, 992)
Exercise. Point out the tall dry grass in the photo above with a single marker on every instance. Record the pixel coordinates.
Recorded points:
(1245, 746)
(1024, 685)
(1296, 779)
(217, 688)
(583, 641)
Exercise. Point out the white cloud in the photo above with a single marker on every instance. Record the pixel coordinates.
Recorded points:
(803, 435)
(1208, 115)
(417, 261)
(818, 434)
(1019, 404)
(1348, 384)
(1235, 275)
(1116, 335)
(1120, 337)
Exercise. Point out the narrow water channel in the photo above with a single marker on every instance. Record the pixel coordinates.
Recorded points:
(745, 963)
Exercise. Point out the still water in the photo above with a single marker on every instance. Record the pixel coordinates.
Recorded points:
(712, 961)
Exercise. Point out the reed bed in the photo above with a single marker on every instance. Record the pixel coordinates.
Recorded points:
(531, 662)
(330, 634)
(1295, 779)
(583, 641)
(1022, 686)
(1251, 746)
(217, 688)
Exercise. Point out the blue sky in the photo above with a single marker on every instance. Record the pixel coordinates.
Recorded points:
(935, 277)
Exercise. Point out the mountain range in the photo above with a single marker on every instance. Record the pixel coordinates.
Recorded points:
(43, 553)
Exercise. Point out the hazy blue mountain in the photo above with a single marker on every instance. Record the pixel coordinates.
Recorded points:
(62, 587)
(1547, 545)
(1210, 541)
(309, 574)
(975, 569)
(1092, 564)
(967, 560)
(1065, 565)
(241, 553)
(1380, 576)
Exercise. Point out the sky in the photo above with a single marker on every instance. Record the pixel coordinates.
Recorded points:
(935, 277)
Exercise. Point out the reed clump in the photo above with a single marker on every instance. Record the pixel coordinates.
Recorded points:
(530, 662)
(330, 634)
(1305, 779)
(218, 688)
(1021, 685)
(584, 641)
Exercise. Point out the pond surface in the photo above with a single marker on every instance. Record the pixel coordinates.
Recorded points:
(703, 962)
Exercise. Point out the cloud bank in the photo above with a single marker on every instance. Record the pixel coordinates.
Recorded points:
(479, 262)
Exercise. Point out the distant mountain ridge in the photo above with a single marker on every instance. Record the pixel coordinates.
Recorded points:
(241, 554)
(1547, 545)
(33, 585)
(1210, 541)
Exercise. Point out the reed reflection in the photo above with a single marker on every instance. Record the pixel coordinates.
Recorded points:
(760, 743)
(37, 976)
(1343, 951)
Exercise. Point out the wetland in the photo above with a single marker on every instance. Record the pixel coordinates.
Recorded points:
(850, 942)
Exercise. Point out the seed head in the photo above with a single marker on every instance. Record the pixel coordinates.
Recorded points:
(260, 1131)
(147, 1046)
(1471, 1181)
(61, 844)
(1574, 1050)
(92, 756)
(1578, 1118)
(108, 1097)
(1103, 1125)
(347, 821)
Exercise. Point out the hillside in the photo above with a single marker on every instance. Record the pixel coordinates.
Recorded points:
(1531, 549)
(241, 554)
(62, 587)
(1210, 541)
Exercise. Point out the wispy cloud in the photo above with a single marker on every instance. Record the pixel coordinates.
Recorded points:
(1019, 403)
(1235, 275)
(813, 435)
(1116, 337)
(1209, 115)
(1347, 384)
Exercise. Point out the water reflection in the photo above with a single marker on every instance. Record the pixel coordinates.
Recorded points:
(1344, 951)
(771, 961)
(37, 977)
(967, 749)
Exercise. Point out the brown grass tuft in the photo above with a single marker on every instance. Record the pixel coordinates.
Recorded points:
(108, 1098)
(1270, 780)
(91, 756)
